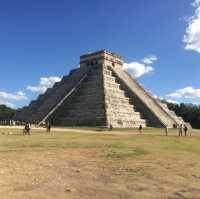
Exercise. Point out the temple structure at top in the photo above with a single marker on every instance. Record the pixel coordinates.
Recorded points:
(101, 57)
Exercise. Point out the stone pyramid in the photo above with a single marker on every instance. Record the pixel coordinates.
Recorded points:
(99, 93)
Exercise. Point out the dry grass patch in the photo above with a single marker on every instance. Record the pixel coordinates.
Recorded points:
(118, 165)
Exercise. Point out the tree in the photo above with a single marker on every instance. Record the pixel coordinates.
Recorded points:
(189, 112)
(6, 113)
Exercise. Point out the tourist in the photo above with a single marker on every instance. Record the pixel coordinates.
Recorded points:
(180, 129)
(111, 127)
(166, 131)
(185, 129)
(48, 126)
(140, 129)
(27, 129)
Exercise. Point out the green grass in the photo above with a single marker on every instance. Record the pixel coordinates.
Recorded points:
(117, 144)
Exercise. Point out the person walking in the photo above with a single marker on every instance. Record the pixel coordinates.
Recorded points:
(48, 126)
(111, 127)
(140, 129)
(185, 129)
(166, 131)
(27, 129)
(181, 130)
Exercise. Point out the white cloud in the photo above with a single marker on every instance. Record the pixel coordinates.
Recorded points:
(186, 93)
(167, 100)
(172, 101)
(192, 34)
(196, 3)
(44, 84)
(9, 98)
(149, 60)
(138, 69)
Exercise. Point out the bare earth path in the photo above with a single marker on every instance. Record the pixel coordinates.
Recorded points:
(86, 164)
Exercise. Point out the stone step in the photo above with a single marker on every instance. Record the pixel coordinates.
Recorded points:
(125, 112)
(109, 91)
(70, 118)
(107, 72)
(85, 106)
(97, 77)
(125, 118)
(87, 101)
(90, 84)
(84, 115)
(117, 95)
(89, 92)
(118, 106)
(109, 78)
(117, 101)
(114, 97)
(114, 86)
(84, 96)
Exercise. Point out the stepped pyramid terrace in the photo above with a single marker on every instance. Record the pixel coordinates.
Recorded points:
(99, 93)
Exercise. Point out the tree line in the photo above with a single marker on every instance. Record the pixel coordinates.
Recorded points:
(189, 112)
(6, 113)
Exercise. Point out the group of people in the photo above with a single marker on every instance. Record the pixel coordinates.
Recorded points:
(27, 128)
(183, 130)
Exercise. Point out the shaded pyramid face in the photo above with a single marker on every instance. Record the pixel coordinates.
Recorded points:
(99, 93)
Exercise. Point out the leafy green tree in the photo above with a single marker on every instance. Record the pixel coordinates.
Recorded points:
(6, 113)
(189, 112)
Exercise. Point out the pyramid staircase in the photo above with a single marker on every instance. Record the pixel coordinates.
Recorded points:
(146, 104)
(95, 103)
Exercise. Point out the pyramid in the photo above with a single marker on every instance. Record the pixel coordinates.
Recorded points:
(99, 93)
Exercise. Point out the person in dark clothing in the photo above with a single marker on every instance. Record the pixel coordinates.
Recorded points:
(111, 127)
(140, 128)
(48, 126)
(185, 130)
(27, 129)
(166, 131)
(174, 126)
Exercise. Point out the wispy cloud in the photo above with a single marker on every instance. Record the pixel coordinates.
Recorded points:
(192, 34)
(138, 69)
(172, 101)
(167, 99)
(10, 98)
(44, 84)
(150, 59)
(185, 93)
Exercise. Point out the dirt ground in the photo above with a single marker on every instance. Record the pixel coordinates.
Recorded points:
(118, 167)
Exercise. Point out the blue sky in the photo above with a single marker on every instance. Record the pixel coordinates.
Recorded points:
(42, 40)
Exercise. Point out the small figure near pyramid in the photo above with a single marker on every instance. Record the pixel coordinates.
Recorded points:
(99, 93)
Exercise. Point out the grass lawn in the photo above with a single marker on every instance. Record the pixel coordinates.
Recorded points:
(91, 163)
